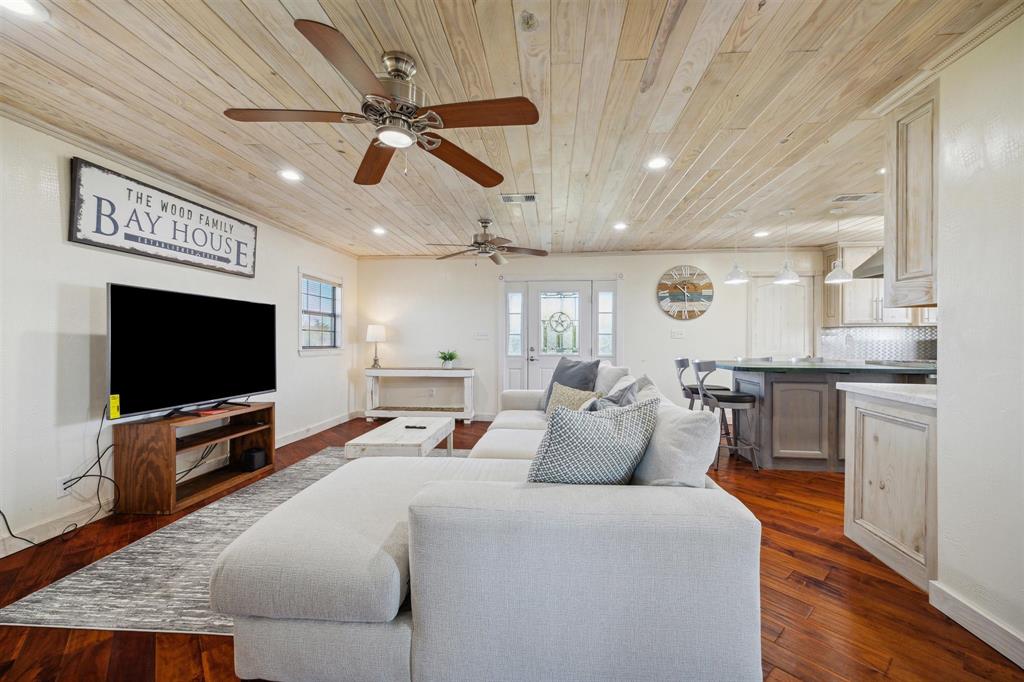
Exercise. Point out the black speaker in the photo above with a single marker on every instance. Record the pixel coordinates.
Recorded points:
(253, 459)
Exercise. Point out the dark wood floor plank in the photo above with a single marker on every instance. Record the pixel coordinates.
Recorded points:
(830, 611)
(86, 656)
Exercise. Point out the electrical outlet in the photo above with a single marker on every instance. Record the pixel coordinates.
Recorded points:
(678, 334)
(61, 492)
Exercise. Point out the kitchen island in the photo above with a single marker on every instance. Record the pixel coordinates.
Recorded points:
(798, 422)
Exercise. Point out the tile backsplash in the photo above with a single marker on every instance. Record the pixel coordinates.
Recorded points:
(880, 343)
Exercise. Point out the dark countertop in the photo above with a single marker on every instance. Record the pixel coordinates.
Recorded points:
(827, 367)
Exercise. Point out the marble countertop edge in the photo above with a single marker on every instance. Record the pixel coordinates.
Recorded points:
(922, 395)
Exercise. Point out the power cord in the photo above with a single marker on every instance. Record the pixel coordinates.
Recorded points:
(71, 528)
(202, 458)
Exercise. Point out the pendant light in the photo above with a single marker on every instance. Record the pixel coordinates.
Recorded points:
(838, 274)
(737, 275)
(786, 275)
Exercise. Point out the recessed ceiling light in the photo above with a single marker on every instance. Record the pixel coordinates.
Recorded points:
(620, 226)
(657, 162)
(881, 171)
(760, 234)
(289, 174)
(27, 9)
(379, 231)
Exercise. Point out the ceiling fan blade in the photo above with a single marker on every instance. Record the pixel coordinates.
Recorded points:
(464, 246)
(339, 52)
(524, 250)
(375, 162)
(292, 115)
(464, 162)
(498, 241)
(453, 255)
(507, 111)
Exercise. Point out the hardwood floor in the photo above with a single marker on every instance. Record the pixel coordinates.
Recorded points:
(829, 610)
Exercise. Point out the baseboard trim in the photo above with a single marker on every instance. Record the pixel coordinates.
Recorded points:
(47, 530)
(315, 428)
(996, 634)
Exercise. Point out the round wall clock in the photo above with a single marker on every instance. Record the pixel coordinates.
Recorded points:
(685, 292)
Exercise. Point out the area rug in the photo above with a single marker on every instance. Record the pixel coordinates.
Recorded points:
(160, 583)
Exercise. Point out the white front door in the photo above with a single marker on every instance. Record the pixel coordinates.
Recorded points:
(559, 325)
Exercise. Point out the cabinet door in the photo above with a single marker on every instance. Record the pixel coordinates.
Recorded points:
(890, 485)
(893, 315)
(832, 300)
(860, 297)
(910, 200)
(799, 420)
(781, 318)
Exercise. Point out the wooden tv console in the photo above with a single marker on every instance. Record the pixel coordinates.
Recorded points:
(145, 457)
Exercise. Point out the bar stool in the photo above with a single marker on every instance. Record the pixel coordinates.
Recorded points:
(737, 401)
(691, 391)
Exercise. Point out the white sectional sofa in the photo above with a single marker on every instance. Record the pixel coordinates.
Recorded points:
(448, 569)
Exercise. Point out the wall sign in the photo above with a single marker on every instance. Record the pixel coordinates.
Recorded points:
(113, 211)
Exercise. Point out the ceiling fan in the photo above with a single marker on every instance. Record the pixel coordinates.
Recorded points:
(486, 244)
(398, 111)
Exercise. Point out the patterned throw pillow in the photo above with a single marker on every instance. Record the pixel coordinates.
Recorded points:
(623, 393)
(564, 396)
(596, 448)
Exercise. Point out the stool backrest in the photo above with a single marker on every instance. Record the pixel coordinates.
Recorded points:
(704, 368)
(682, 364)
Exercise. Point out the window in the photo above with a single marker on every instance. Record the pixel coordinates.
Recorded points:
(605, 323)
(559, 322)
(320, 313)
(515, 323)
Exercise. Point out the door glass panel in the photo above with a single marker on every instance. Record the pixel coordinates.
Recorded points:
(560, 320)
(515, 323)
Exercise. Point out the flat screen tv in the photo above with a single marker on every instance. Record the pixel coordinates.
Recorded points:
(167, 350)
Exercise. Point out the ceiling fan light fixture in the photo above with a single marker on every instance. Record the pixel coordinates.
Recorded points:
(395, 136)
(498, 259)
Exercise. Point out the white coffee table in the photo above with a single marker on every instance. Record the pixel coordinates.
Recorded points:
(395, 440)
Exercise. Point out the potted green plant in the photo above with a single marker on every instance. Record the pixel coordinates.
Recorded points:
(447, 358)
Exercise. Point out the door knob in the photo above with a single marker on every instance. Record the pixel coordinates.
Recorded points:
(532, 359)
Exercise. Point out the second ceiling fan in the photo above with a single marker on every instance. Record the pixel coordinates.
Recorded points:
(398, 110)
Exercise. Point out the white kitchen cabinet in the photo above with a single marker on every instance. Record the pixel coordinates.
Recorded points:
(860, 302)
(911, 150)
(890, 505)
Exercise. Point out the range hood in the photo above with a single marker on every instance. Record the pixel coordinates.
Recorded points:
(871, 268)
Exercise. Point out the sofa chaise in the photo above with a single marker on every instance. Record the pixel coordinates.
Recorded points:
(447, 569)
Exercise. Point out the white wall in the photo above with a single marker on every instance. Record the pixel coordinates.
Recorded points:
(981, 347)
(429, 305)
(52, 345)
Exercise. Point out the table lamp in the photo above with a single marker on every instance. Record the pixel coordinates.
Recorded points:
(375, 334)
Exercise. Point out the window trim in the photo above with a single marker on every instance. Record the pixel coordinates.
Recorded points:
(339, 287)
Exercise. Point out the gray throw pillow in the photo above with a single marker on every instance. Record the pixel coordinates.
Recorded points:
(682, 448)
(579, 374)
(595, 448)
(622, 394)
(607, 376)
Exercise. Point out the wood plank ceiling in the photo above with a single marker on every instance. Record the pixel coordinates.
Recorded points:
(759, 104)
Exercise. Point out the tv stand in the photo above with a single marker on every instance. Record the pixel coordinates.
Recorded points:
(145, 456)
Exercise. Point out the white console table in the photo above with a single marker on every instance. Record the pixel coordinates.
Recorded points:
(375, 409)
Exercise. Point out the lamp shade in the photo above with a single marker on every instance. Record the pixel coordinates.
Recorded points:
(737, 275)
(375, 333)
(786, 275)
(838, 275)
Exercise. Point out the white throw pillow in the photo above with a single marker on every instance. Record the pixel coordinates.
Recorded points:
(607, 376)
(682, 448)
